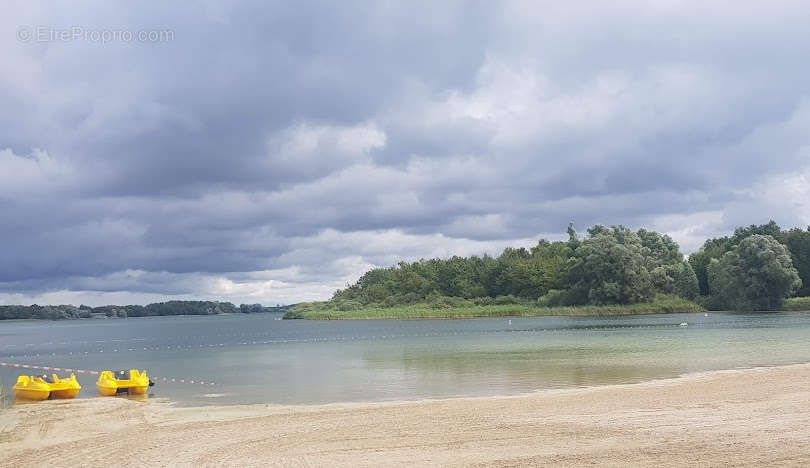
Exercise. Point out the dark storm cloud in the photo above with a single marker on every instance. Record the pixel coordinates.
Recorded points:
(274, 150)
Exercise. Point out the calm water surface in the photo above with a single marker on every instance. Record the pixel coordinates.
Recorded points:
(259, 358)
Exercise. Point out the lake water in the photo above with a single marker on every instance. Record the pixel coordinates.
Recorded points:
(260, 359)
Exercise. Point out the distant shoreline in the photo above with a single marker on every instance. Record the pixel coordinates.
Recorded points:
(90, 319)
(158, 309)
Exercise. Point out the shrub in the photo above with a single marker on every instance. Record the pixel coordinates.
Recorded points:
(796, 303)
(506, 300)
(553, 298)
(345, 306)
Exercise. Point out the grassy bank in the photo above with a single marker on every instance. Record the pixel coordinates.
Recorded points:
(327, 310)
(797, 303)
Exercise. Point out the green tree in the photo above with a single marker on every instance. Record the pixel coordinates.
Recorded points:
(661, 249)
(676, 278)
(609, 267)
(757, 274)
(770, 229)
(552, 258)
(686, 282)
(700, 260)
(798, 242)
(715, 249)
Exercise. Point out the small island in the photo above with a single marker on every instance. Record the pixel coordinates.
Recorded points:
(611, 271)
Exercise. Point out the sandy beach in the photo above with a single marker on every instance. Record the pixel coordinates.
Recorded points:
(748, 417)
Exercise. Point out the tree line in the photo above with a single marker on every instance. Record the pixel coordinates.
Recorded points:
(66, 312)
(755, 269)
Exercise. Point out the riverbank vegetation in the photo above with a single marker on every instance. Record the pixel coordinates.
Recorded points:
(609, 271)
(797, 303)
(68, 312)
(446, 308)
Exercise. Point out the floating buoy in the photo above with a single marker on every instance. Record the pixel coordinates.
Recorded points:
(683, 325)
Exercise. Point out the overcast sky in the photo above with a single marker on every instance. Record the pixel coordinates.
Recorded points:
(274, 151)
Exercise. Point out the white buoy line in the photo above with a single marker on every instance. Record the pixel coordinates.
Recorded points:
(306, 340)
(92, 372)
(190, 347)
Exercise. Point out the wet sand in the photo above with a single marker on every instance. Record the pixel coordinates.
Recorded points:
(749, 417)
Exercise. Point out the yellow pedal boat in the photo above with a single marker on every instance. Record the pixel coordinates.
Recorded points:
(29, 387)
(130, 381)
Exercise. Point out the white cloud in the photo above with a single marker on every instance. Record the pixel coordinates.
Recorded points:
(306, 151)
(692, 229)
(34, 174)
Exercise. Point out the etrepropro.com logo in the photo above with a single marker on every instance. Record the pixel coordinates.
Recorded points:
(96, 35)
